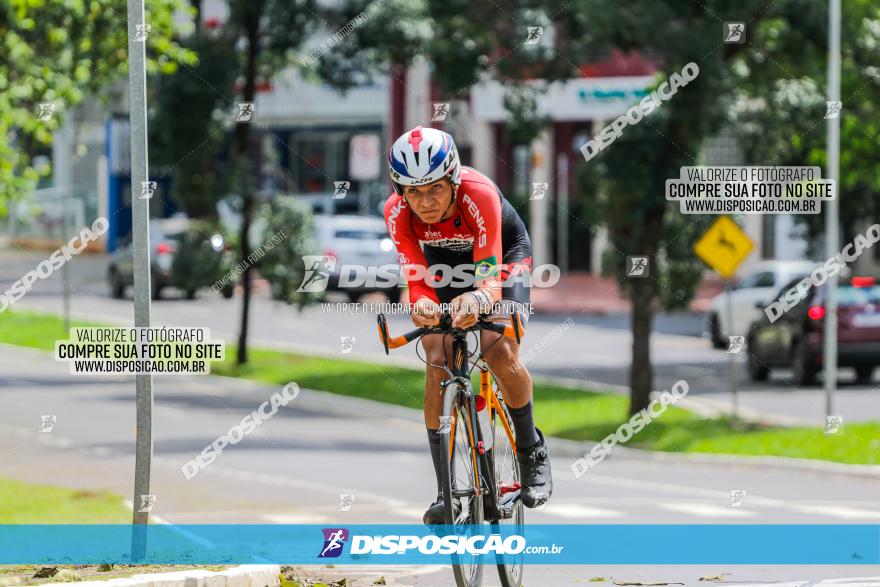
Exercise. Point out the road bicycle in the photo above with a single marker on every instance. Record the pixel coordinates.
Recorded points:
(480, 481)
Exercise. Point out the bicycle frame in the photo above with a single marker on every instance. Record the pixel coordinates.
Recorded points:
(479, 458)
(483, 471)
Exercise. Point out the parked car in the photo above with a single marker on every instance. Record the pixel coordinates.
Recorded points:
(795, 339)
(165, 236)
(360, 240)
(756, 285)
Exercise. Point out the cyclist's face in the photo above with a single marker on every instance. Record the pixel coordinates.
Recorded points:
(429, 201)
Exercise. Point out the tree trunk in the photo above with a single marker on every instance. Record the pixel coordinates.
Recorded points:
(242, 134)
(643, 293)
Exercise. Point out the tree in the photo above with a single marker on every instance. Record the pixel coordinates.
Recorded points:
(58, 53)
(785, 125)
(271, 32)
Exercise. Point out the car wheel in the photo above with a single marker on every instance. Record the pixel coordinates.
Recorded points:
(117, 288)
(228, 292)
(715, 332)
(863, 374)
(802, 372)
(353, 296)
(156, 290)
(190, 294)
(758, 370)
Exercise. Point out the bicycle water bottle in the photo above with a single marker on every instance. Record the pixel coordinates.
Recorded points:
(485, 426)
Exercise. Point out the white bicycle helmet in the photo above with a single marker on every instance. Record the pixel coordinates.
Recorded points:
(421, 156)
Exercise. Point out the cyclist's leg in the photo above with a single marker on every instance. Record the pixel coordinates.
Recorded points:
(515, 382)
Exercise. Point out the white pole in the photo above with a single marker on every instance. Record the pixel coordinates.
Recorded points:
(831, 218)
(731, 357)
(140, 213)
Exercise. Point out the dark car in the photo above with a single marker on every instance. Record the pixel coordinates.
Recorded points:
(165, 236)
(795, 339)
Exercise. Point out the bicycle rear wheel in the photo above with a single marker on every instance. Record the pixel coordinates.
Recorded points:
(462, 498)
(507, 487)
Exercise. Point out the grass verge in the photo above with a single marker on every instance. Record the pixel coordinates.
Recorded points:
(562, 412)
(24, 503)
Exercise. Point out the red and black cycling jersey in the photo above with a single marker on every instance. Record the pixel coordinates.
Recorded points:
(485, 231)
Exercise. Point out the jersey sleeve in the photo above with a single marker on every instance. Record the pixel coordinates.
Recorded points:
(482, 211)
(412, 259)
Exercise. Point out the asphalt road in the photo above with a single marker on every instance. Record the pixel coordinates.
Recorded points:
(294, 468)
(592, 348)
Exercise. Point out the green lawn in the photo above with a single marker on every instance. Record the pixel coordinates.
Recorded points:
(23, 503)
(562, 412)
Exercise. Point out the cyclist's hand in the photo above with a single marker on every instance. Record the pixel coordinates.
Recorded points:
(465, 310)
(426, 312)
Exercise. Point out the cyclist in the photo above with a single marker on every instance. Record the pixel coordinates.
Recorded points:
(443, 213)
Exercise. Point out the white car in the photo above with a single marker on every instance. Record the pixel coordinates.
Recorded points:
(756, 286)
(357, 240)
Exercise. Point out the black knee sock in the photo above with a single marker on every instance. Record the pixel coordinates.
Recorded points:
(524, 424)
(434, 444)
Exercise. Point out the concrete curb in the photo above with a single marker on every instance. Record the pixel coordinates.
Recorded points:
(241, 576)
(576, 449)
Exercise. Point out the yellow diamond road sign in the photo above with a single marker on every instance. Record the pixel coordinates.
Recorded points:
(724, 246)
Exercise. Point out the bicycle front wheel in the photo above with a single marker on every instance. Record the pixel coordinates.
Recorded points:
(462, 496)
(507, 487)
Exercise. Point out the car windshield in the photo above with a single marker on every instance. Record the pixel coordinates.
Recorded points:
(360, 234)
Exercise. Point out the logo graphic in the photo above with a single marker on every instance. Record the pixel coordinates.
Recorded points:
(457, 222)
(346, 344)
(539, 190)
(534, 36)
(48, 422)
(736, 344)
(334, 540)
(445, 424)
(486, 268)
(736, 497)
(147, 189)
(637, 267)
(141, 32)
(833, 109)
(346, 500)
(147, 503)
(245, 112)
(317, 274)
(735, 32)
(833, 423)
(342, 188)
(441, 111)
(45, 110)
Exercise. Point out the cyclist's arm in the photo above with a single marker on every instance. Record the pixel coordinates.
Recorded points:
(409, 253)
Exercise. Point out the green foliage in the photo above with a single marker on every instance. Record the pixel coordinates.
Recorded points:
(780, 106)
(290, 224)
(196, 263)
(63, 52)
(189, 111)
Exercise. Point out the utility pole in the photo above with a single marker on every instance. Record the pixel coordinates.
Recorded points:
(140, 213)
(832, 224)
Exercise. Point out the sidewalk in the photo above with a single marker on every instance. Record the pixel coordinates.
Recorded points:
(586, 293)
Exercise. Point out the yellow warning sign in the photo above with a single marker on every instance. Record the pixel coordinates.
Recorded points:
(724, 246)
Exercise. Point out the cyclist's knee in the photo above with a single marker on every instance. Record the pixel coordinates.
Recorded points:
(502, 355)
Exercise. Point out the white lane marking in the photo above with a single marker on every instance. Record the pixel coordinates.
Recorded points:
(706, 510)
(574, 511)
(294, 518)
(324, 488)
(836, 511)
(714, 494)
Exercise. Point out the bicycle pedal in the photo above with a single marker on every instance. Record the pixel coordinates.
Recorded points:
(507, 504)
